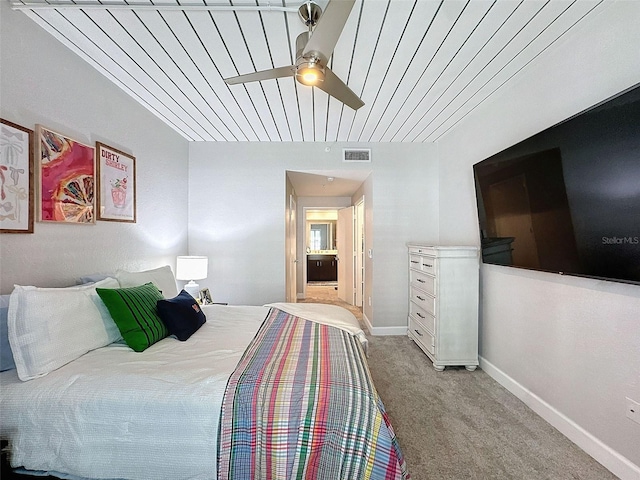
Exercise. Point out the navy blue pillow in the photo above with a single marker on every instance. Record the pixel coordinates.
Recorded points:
(182, 315)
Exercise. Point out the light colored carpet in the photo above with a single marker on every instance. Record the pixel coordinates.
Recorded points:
(464, 425)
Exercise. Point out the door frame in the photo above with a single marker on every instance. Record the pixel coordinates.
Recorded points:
(305, 241)
(302, 224)
(291, 287)
(359, 240)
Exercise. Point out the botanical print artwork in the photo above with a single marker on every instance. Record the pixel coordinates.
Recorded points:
(117, 195)
(67, 179)
(16, 196)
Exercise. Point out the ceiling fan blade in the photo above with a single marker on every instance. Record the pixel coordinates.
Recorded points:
(326, 33)
(338, 89)
(279, 72)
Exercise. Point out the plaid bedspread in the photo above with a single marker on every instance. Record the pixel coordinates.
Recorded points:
(301, 404)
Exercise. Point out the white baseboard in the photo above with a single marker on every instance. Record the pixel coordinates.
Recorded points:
(612, 460)
(382, 331)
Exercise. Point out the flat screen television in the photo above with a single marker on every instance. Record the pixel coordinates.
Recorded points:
(567, 200)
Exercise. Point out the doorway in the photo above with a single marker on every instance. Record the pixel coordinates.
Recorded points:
(330, 190)
(334, 245)
(342, 249)
(321, 260)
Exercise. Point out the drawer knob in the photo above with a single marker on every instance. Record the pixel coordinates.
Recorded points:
(427, 265)
(420, 298)
(417, 332)
(421, 281)
(420, 315)
(414, 261)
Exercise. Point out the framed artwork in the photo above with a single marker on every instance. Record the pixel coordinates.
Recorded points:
(67, 178)
(205, 297)
(116, 185)
(16, 178)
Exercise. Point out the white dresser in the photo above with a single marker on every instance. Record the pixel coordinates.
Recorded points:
(443, 303)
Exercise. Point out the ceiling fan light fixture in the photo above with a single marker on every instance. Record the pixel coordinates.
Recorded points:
(314, 48)
(310, 74)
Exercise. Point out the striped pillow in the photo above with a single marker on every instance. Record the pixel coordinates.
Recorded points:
(135, 313)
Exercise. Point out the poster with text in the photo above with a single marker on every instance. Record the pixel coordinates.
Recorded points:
(117, 185)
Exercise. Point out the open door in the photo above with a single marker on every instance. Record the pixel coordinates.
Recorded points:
(346, 255)
(358, 241)
(291, 254)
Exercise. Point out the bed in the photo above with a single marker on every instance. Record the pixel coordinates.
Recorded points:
(274, 391)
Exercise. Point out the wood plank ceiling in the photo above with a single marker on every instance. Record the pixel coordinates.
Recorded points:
(420, 66)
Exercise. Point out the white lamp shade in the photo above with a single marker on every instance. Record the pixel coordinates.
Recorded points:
(191, 267)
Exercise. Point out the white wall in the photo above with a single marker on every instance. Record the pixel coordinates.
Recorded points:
(404, 209)
(237, 195)
(569, 347)
(43, 82)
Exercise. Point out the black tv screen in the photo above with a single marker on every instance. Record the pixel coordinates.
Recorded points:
(567, 200)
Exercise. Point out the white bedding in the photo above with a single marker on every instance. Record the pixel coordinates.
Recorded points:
(149, 415)
(173, 391)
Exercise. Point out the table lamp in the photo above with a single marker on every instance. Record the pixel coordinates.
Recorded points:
(191, 267)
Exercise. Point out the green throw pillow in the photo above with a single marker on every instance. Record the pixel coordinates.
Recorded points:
(135, 312)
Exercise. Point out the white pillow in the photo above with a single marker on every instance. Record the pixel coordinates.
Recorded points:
(161, 277)
(50, 327)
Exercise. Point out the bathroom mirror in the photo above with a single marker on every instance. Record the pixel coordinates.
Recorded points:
(321, 236)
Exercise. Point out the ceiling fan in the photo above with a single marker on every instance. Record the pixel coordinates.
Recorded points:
(313, 49)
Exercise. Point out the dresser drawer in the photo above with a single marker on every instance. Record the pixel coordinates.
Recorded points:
(424, 250)
(415, 262)
(423, 300)
(428, 265)
(422, 316)
(422, 336)
(423, 282)
(423, 264)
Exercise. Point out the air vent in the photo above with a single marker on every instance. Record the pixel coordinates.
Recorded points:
(356, 155)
